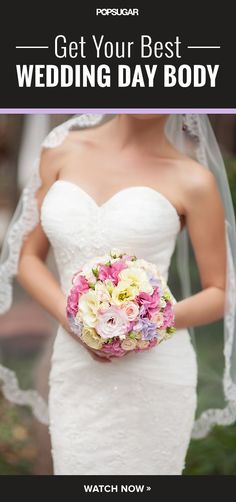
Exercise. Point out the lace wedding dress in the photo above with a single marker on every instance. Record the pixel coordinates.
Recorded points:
(133, 415)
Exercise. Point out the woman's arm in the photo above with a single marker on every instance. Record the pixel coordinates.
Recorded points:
(33, 274)
(206, 227)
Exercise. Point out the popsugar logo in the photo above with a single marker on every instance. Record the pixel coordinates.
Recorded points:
(117, 12)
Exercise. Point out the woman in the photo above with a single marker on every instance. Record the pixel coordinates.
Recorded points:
(122, 184)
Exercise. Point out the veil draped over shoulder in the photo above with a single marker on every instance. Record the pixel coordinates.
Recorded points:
(215, 347)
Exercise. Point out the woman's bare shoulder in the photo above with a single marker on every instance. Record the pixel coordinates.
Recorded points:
(199, 186)
(53, 159)
(192, 175)
(49, 163)
(197, 178)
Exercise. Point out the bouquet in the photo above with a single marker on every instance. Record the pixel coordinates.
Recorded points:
(119, 303)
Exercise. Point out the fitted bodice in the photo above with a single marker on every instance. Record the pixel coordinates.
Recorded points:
(138, 220)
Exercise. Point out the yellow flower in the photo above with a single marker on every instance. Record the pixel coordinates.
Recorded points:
(88, 307)
(128, 344)
(91, 338)
(137, 278)
(142, 344)
(124, 292)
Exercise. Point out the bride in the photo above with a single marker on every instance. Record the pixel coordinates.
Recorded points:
(122, 184)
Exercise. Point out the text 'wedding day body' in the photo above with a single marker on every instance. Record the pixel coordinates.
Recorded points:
(100, 74)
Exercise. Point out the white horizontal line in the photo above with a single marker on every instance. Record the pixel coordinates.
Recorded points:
(32, 46)
(203, 46)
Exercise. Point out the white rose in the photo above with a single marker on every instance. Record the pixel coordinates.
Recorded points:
(88, 307)
(102, 293)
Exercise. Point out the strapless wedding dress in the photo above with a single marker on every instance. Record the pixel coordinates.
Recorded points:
(135, 414)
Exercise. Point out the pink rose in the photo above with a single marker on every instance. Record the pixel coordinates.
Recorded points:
(158, 318)
(131, 309)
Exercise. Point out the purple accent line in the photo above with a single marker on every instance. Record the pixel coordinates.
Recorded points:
(116, 110)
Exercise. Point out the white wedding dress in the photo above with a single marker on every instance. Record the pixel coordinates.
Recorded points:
(135, 414)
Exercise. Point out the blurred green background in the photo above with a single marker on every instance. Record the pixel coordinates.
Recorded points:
(24, 444)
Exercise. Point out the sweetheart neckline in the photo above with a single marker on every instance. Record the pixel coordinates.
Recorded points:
(119, 192)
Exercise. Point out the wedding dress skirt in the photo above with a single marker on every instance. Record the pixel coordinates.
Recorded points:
(135, 414)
